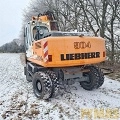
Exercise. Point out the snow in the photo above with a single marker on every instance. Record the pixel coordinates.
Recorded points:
(17, 100)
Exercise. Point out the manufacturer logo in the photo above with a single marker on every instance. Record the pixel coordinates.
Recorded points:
(82, 45)
(78, 56)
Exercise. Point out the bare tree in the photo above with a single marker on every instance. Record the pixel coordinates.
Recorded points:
(83, 15)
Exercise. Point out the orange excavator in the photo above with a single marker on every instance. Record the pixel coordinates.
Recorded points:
(54, 57)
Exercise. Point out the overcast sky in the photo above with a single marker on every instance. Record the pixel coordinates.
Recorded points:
(11, 19)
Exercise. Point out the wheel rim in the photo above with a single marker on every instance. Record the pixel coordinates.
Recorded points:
(87, 82)
(39, 86)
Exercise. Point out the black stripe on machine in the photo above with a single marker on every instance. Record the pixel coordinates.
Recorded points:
(78, 56)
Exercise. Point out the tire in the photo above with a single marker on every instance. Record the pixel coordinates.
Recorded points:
(42, 85)
(101, 76)
(96, 78)
(55, 83)
(28, 76)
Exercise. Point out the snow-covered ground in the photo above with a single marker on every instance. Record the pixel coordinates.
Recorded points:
(17, 101)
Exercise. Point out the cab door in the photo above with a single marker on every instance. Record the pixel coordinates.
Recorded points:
(28, 41)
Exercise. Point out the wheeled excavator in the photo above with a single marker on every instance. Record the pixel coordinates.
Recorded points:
(54, 57)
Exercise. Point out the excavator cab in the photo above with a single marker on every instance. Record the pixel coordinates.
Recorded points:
(37, 28)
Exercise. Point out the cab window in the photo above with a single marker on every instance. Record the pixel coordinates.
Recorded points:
(53, 26)
(39, 31)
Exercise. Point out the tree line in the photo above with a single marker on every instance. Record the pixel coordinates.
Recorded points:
(12, 47)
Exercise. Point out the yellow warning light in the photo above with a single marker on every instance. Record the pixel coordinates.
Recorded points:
(41, 18)
(44, 18)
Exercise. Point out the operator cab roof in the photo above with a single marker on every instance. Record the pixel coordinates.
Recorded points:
(59, 33)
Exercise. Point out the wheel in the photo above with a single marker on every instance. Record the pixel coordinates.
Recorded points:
(55, 83)
(28, 76)
(42, 85)
(96, 78)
